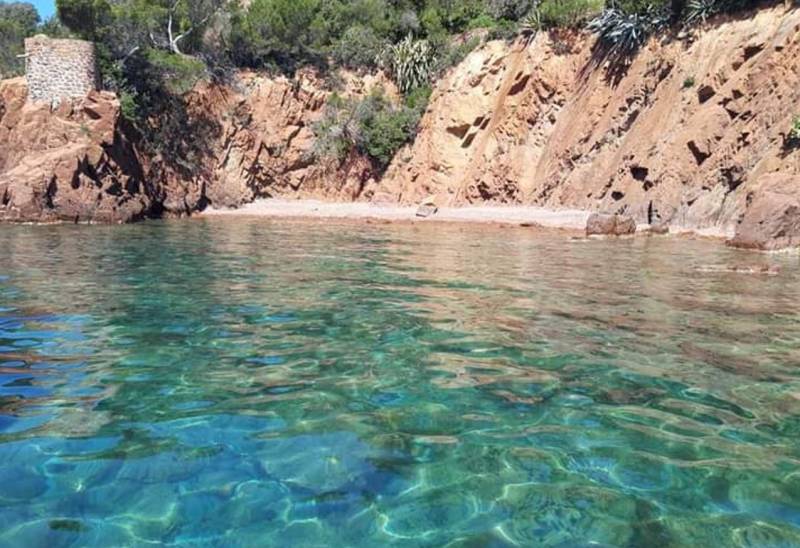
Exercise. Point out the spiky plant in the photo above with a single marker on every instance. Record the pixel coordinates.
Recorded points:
(531, 23)
(701, 10)
(409, 62)
(624, 33)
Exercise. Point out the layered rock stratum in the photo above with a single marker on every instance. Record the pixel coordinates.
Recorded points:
(688, 134)
(692, 134)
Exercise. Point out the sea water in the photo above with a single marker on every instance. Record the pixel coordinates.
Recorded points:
(246, 382)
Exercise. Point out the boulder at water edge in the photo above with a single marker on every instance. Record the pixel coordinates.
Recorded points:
(600, 224)
(772, 218)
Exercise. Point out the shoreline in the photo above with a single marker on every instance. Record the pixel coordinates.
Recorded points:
(573, 220)
(567, 219)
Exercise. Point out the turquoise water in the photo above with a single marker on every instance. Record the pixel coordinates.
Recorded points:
(256, 383)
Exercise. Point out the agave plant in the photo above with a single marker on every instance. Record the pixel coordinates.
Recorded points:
(701, 10)
(624, 33)
(410, 63)
(531, 23)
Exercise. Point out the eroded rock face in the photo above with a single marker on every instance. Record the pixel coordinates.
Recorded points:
(772, 218)
(550, 124)
(265, 142)
(72, 164)
(76, 163)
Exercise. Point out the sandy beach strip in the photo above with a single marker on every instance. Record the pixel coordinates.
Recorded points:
(496, 214)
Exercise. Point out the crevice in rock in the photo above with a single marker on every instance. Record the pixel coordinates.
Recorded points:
(752, 50)
(468, 141)
(639, 173)
(698, 154)
(50, 193)
(519, 85)
(459, 130)
(705, 93)
(733, 176)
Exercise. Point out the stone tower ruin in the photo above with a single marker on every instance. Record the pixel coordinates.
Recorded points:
(60, 69)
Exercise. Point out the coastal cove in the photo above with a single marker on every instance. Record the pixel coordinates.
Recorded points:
(696, 133)
(247, 381)
(400, 273)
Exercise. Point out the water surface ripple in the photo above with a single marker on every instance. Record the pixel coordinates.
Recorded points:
(234, 382)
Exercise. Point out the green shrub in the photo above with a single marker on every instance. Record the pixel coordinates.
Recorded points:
(482, 21)
(90, 19)
(128, 104)
(274, 32)
(568, 13)
(641, 7)
(386, 131)
(504, 29)
(688, 82)
(454, 54)
(418, 98)
(179, 73)
(432, 23)
(359, 47)
(372, 126)
(513, 10)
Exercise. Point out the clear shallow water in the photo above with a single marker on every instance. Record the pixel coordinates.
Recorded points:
(253, 383)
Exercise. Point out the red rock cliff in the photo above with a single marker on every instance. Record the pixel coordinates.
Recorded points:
(688, 134)
(71, 163)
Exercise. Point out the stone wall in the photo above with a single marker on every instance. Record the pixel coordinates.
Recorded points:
(59, 69)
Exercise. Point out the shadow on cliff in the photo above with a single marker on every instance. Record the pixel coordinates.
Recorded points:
(175, 135)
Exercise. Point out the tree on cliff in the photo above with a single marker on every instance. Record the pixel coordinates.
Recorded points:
(124, 26)
(87, 18)
(281, 31)
(18, 20)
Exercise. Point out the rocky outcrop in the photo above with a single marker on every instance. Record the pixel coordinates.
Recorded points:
(682, 137)
(599, 224)
(69, 164)
(252, 139)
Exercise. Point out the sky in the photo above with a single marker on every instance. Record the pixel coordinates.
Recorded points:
(46, 7)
